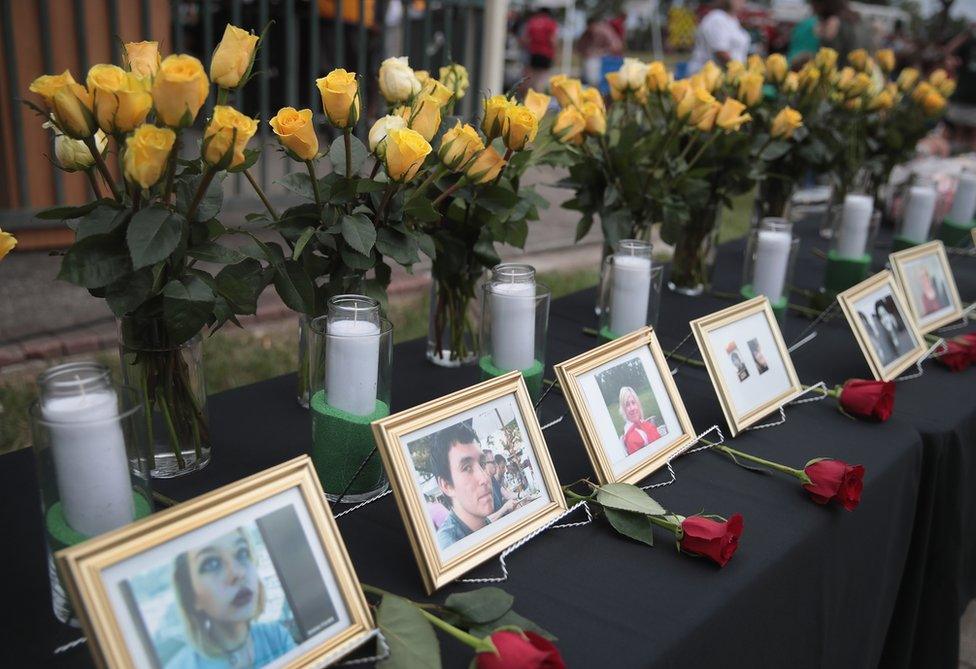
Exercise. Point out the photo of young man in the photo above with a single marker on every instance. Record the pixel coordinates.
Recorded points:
(740, 367)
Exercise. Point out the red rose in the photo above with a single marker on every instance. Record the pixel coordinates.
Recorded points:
(834, 479)
(958, 357)
(868, 399)
(715, 540)
(521, 651)
(969, 341)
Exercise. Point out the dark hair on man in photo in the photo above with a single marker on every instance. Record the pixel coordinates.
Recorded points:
(440, 458)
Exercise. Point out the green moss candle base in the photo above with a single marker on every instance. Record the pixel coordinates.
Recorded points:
(842, 273)
(779, 306)
(955, 234)
(606, 335)
(532, 375)
(340, 443)
(900, 244)
(61, 534)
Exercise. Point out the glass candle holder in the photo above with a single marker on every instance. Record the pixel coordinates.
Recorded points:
(351, 353)
(91, 444)
(514, 322)
(630, 289)
(915, 222)
(855, 227)
(767, 268)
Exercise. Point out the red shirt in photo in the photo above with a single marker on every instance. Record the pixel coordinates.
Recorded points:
(639, 435)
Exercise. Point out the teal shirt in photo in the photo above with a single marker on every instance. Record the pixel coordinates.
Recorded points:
(271, 641)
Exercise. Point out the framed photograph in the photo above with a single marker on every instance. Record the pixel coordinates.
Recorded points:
(924, 276)
(747, 361)
(471, 474)
(253, 574)
(882, 324)
(626, 406)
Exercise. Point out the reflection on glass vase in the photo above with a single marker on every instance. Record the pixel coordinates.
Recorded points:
(773, 197)
(452, 332)
(169, 377)
(694, 253)
(303, 391)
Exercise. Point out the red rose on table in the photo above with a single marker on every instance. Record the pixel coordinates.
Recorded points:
(957, 357)
(521, 651)
(969, 342)
(834, 479)
(868, 399)
(715, 540)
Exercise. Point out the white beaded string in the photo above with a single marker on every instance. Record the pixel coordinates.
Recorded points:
(553, 422)
(687, 449)
(364, 503)
(68, 646)
(801, 340)
(795, 400)
(381, 646)
(935, 350)
(524, 540)
(809, 338)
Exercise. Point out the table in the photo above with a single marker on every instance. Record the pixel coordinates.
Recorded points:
(810, 585)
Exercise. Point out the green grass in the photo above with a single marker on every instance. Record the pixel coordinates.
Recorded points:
(234, 357)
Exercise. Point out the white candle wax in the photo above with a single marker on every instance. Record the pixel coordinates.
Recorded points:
(351, 366)
(629, 293)
(918, 214)
(90, 463)
(513, 325)
(852, 240)
(772, 257)
(964, 201)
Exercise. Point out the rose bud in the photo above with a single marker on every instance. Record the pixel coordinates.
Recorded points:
(296, 132)
(834, 479)
(226, 135)
(142, 58)
(179, 90)
(520, 650)
(713, 539)
(147, 154)
(868, 399)
(233, 57)
(406, 150)
(340, 97)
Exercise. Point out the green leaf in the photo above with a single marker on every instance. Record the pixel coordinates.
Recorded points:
(100, 221)
(216, 253)
(775, 150)
(627, 497)
(298, 183)
(337, 154)
(250, 157)
(63, 213)
(295, 287)
(421, 209)
(95, 262)
(153, 234)
(481, 606)
(402, 248)
(583, 227)
(510, 619)
(127, 294)
(359, 233)
(211, 202)
(241, 284)
(637, 526)
(413, 643)
(187, 306)
(370, 186)
(426, 244)
(302, 241)
(356, 260)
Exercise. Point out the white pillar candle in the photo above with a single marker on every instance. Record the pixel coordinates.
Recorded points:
(919, 208)
(964, 201)
(772, 258)
(852, 239)
(352, 356)
(90, 461)
(513, 325)
(630, 291)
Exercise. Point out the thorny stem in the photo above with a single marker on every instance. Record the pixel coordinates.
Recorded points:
(315, 183)
(94, 184)
(201, 191)
(261, 195)
(102, 167)
(171, 169)
(798, 473)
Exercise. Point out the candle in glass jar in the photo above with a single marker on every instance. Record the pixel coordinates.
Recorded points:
(852, 240)
(352, 354)
(90, 462)
(513, 325)
(629, 293)
(964, 201)
(772, 258)
(918, 214)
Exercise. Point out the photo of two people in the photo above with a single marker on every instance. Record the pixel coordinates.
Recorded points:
(885, 325)
(742, 372)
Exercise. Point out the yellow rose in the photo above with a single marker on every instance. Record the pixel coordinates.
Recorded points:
(146, 155)
(809, 77)
(860, 85)
(592, 94)
(519, 127)
(907, 79)
(657, 79)
(538, 103)
(711, 76)
(459, 146)
(179, 90)
(142, 58)
(121, 100)
(679, 89)
(785, 122)
(633, 73)
(826, 59)
(844, 78)
(947, 88)
(422, 76)
(435, 89)
(791, 83)
(406, 150)
(226, 135)
(883, 100)
(233, 57)
(73, 154)
(751, 88)
(859, 59)
(455, 77)
(48, 84)
(424, 116)
(569, 126)
(596, 118)
(567, 91)
(885, 59)
(755, 63)
(296, 132)
(381, 128)
(7, 243)
(706, 116)
(73, 111)
(777, 67)
(494, 118)
(853, 104)
(616, 84)
(486, 167)
(398, 83)
(692, 97)
(933, 103)
(733, 70)
(937, 77)
(340, 97)
(730, 116)
(700, 101)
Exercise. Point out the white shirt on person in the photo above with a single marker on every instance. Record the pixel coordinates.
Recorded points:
(718, 31)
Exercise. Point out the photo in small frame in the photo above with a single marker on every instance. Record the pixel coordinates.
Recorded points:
(626, 406)
(471, 474)
(926, 281)
(218, 581)
(747, 361)
(882, 325)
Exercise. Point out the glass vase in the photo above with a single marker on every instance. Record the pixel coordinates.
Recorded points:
(773, 197)
(694, 253)
(630, 289)
(303, 390)
(452, 332)
(169, 377)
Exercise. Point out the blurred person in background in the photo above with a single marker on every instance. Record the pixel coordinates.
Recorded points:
(720, 37)
(960, 60)
(841, 28)
(804, 42)
(598, 40)
(539, 42)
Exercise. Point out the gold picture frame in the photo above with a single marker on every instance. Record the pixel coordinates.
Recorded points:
(84, 566)
(900, 263)
(570, 373)
(849, 299)
(393, 439)
(703, 328)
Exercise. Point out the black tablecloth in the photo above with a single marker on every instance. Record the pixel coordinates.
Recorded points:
(810, 585)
